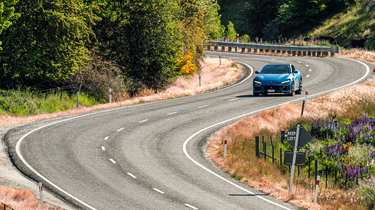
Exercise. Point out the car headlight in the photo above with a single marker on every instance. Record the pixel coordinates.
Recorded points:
(257, 82)
(285, 82)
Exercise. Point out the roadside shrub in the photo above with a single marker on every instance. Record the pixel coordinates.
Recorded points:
(367, 196)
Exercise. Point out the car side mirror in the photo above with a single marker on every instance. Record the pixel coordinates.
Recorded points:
(257, 72)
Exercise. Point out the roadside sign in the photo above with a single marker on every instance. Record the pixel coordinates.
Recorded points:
(304, 137)
(300, 158)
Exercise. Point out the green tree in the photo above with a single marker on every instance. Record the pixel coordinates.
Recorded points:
(7, 15)
(231, 32)
(46, 46)
(258, 14)
(153, 43)
(245, 38)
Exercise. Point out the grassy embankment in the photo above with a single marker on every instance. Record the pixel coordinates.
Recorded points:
(27, 102)
(358, 23)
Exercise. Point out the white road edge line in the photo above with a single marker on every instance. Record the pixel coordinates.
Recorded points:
(19, 142)
(172, 113)
(190, 206)
(120, 129)
(113, 161)
(103, 148)
(157, 190)
(184, 147)
(106, 138)
(131, 175)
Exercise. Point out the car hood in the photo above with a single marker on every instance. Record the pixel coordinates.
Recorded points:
(272, 77)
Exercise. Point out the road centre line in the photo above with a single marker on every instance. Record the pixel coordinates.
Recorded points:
(120, 129)
(131, 175)
(103, 148)
(171, 113)
(106, 138)
(113, 161)
(143, 121)
(307, 76)
(191, 206)
(157, 190)
(201, 107)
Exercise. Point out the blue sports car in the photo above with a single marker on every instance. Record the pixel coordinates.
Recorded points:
(277, 78)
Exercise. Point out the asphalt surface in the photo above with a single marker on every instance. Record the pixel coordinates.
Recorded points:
(151, 156)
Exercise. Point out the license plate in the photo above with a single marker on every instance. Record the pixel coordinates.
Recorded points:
(271, 90)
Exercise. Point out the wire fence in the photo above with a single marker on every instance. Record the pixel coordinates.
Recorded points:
(332, 170)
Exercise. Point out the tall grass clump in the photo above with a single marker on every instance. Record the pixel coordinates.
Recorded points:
(27, 102)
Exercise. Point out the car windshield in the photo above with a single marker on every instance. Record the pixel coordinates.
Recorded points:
(276, 69)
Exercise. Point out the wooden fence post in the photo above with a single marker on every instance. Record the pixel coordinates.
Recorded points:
(257, 147)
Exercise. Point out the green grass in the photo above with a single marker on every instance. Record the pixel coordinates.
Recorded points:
(26, 102)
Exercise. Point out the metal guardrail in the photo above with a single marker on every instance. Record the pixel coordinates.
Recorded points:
(291, 50)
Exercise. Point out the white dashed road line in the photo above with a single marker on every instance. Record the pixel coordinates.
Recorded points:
(103, 148)
(307, 76)
(172, 113)
(106, 138)
(113, 161)
(201, 107)
(310, 70)
(191, 206)
(157, 190)
(131, 175)
(307, 66)
(233, 99)
(120, 129)
(143, 121)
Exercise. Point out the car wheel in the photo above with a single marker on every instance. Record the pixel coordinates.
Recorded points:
(292, 91)
(299, 91)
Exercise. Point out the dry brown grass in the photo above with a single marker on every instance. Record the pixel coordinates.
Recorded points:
(243, 165)
(359, 54)
(21, 199)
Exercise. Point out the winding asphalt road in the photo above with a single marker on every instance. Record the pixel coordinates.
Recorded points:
(151, 156)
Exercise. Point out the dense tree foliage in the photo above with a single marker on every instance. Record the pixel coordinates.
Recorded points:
(46, 45)
(59, 42)
(7, 14)
(273, 19)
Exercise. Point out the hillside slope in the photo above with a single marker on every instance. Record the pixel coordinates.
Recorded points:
(353, 28)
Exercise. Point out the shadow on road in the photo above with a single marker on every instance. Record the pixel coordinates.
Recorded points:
(255, 194)
(261, 96)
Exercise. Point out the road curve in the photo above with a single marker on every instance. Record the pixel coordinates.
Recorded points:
(151, 156)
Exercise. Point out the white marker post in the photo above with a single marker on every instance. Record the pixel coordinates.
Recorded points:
(317, 189)
(225, 149)
(40, 187)
(110, 95)
(294, 160)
